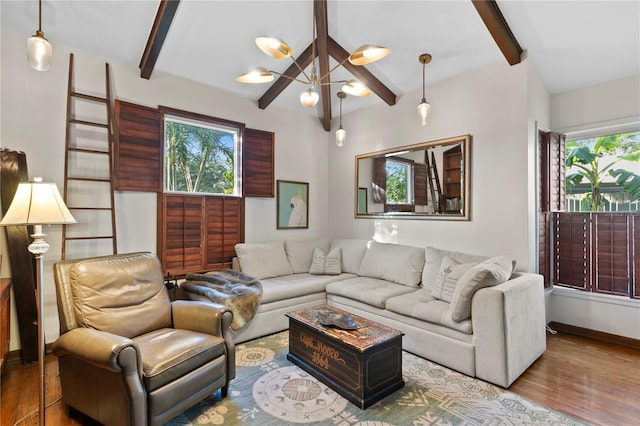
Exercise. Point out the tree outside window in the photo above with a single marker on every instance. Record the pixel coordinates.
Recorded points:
(399, 182)
(201, 157)
(603, 173)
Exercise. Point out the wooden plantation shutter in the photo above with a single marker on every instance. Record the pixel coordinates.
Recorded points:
(138, 160)
(571, 249)
(257, 164)
(635, 242)
(551, 192)
(379, 193)
(420, 184)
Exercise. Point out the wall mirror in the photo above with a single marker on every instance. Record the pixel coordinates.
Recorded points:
(429, 180)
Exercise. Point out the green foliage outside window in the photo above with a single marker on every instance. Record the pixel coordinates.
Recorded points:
(199, 159)
(397, 181)
(591, 160)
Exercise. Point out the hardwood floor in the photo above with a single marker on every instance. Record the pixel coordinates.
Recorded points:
(592, 381)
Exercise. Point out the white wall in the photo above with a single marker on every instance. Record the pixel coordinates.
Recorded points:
(612, 106)
(489, 103)
(32, 119)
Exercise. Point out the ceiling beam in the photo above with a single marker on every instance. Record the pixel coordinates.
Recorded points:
(361, 73)
(282, 82)
(499, 29)
(161, 25)
(320, 9)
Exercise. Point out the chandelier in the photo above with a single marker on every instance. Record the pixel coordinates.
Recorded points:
(276, 48)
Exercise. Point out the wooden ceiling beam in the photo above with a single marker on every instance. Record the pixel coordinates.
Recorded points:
(323, 56)
(499, 29)
(283, 82)
(361, 73)
(161, 25)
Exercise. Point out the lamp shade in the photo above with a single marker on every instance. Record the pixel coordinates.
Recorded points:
(39, 52)
(257, 75)
(273, 47)
(424, 110)
(37, 203)
(367, 54)
(341, 137)
(356, 88)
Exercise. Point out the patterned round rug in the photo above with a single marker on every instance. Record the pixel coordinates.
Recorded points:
(270, 391)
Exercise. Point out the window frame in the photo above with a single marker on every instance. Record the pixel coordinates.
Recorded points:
(214, 123)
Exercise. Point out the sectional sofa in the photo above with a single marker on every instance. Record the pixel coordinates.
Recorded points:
(467, 312)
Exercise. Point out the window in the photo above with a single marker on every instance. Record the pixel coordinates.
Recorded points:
(603, 173)
(201, 156)
(399, 182)
(593, 246)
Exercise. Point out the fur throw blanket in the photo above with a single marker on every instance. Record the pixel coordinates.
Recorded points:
(239, 292)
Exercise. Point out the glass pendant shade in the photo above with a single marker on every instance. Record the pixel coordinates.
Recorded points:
(258, 75)
(39, 52)
(341, 136)
(355, 88)
(273, 47)
(309, 98)
(424, 110)
(367, 54)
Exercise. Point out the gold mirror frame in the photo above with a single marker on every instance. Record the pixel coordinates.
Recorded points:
(451, 157)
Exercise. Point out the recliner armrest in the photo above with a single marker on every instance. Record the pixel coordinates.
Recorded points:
(98, 348)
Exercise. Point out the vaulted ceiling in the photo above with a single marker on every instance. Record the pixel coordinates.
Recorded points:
(572, 43)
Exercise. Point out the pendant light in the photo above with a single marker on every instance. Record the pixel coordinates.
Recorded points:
(39, 49)
(424, 109)
(341, 134)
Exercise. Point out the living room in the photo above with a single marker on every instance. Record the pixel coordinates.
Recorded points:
(501, 106)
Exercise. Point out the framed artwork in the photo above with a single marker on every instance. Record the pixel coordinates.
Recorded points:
(293, 205)
(362, 200)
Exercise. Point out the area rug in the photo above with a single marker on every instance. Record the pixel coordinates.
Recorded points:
(270, 390)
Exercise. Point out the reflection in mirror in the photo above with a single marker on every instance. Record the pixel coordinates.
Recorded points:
(428, 180)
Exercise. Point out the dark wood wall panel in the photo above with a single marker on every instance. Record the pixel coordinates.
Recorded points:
(420, 184)
(379, 193)
(138, 162)
(258, 163)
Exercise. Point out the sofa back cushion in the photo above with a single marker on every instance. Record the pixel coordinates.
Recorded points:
(352, 253)
(300, 253)
(123, 295)
(263, 260)
(448, 277)
(393, 262)
(433, 260)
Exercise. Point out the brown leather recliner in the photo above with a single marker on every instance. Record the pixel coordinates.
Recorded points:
(126, 354)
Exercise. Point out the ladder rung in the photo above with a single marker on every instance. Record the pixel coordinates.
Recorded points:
(89, 208)
(106, 237)
(88, 123)
(88, 179)
(89, 151)
(89, 97)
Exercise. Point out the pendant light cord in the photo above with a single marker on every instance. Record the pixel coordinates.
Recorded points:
(424, 99)
(340, 113)
(39, 15)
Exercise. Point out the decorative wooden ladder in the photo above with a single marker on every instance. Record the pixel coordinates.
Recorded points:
(434, 181)
(88, 174)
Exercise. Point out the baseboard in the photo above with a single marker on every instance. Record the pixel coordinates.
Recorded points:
(16, 354)
(596, 335)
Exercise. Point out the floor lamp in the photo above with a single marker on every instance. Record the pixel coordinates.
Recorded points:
(38, 203)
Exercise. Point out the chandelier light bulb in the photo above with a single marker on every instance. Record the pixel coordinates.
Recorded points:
(341, 137)
(309, 98)
(424, 110)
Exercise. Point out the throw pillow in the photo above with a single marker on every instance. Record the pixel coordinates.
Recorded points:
(264, 260)
(448, 276)
(393, 262)
(329, 264)
(493, 271)
(433, 260)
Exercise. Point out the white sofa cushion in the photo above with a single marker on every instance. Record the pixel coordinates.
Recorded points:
(326, 264)
(300, 253)
(371, 291)
(421, 305)
(393, 262)
(352, 253)
(493, 271)
(433, 259)
(263, 260)
(448, 276)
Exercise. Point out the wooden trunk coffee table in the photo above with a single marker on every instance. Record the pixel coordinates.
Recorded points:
(363, 365)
